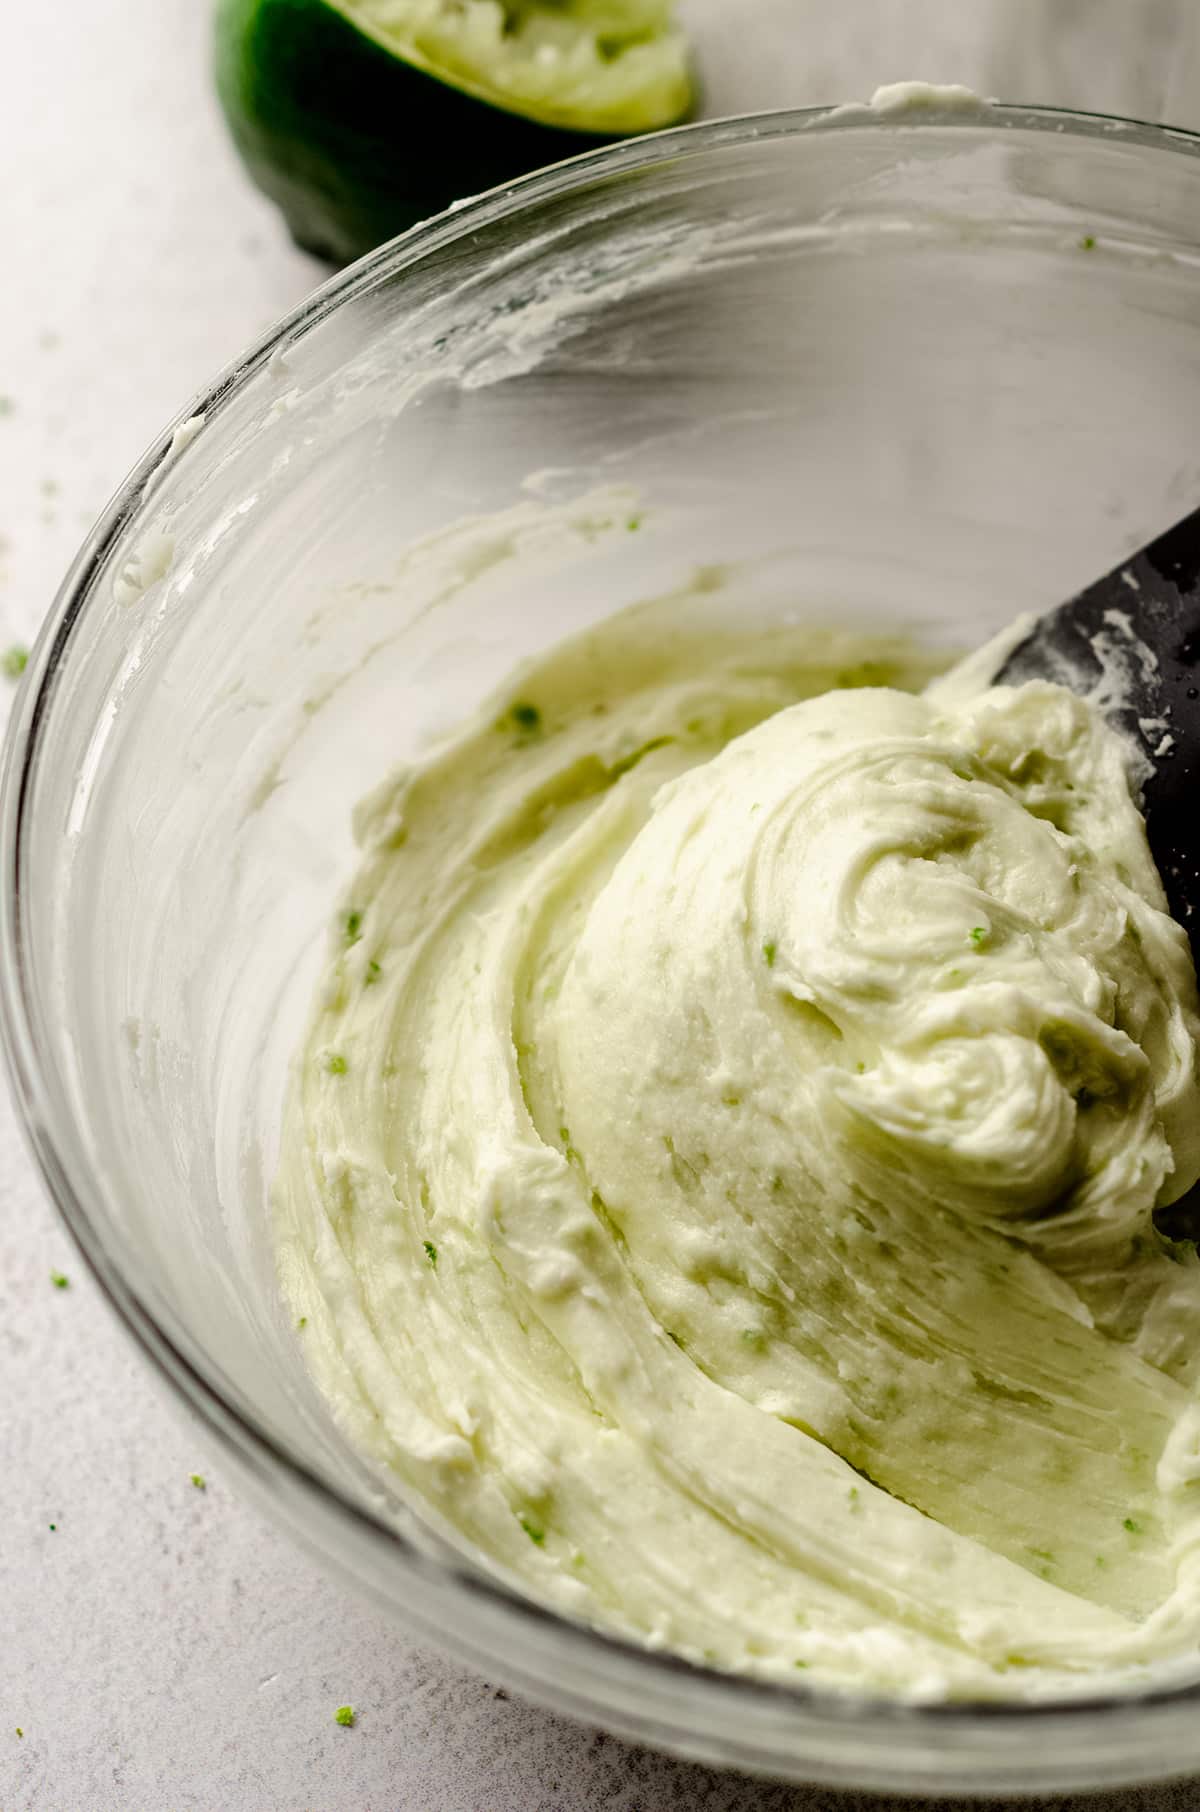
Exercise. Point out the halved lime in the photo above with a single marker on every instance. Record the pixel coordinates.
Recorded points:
(360, 117)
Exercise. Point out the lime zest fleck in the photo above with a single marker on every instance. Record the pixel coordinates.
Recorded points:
(352, 926)
(198, 1481)
(344, 1715)
(799, 1663)
(977, 934)
(335, 1063)
(303, 1322)
(430, 1253)
(53, 1528)
(60, 1280)
(1132, 1526)
(633, 523)
(20, 1732)
(526, 716)
(373, 973)
(769, 949)
(1088, 243)
(536, 1534)
(866, 673)
(627, 763)
(14, 661)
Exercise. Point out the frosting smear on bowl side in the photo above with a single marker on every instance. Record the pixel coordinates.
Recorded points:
(719, 1178)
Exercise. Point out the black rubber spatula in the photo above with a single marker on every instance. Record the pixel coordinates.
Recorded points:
(1142, 621)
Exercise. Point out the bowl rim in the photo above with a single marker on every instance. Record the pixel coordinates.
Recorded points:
(47, 1123)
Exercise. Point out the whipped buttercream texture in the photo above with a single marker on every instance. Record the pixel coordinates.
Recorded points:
(719, 1178)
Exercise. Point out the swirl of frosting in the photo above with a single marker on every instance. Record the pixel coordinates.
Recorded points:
(721, 1177)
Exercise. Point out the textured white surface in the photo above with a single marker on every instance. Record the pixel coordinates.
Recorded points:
(160, 1647)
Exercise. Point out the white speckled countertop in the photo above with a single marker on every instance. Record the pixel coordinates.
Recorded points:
(161, 1648)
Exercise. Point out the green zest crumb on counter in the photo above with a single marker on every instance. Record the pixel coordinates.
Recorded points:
(53, 1528)
(769, 948)
(60, 1280)
(633, 523)
(20, 1732)
(352, 926)
(197, 1479)
(344, 1715)
(977, 934)
(373, 973)
(430, 1252)
(335, 1063)
(535, 1534)
(14, 661)
(1088, 243)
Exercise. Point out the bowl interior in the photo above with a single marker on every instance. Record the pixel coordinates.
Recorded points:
(834, 369)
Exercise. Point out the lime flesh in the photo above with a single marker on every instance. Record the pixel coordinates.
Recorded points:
(360, 117)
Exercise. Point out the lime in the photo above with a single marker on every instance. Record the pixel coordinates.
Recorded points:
(359, 117)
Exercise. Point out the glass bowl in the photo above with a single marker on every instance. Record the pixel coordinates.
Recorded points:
(935, 365)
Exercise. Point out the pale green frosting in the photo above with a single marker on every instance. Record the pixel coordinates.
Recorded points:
(719, 1177)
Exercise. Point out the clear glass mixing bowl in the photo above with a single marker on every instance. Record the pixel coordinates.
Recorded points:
(943, 366)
